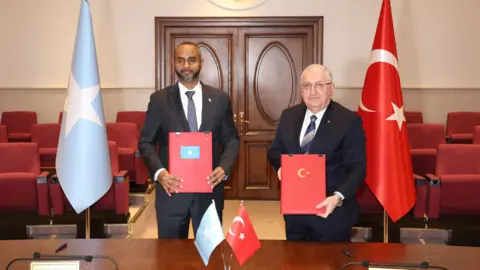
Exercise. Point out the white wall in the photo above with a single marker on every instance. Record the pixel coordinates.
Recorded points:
(437, 40)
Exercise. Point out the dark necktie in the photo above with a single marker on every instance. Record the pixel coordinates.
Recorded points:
(309, 134)
(191, 112)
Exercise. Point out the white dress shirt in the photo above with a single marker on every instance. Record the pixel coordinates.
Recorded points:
(306, 122)
(197, 99)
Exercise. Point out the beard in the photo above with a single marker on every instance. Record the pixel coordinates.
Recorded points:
(187, 78)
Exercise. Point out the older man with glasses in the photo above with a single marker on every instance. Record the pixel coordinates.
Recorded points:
(323, 126)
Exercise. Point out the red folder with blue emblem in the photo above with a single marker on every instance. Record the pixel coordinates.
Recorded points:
(303, 184)
(190, 159)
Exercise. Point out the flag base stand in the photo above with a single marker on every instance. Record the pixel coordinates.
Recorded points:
(225, 266)
(385, 227)
(87, 223)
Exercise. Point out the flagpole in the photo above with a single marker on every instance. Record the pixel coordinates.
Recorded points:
(385, 227)
(87, 224)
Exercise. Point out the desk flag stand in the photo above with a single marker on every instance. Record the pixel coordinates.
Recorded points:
(225, 267)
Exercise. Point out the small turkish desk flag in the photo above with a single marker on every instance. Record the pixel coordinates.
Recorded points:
(242, 237)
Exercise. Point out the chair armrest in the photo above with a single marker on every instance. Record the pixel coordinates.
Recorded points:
(434, 196)
(121, 181)
(42, 193)
(121, 176)
(141, 172)
(56, 195)
(421, 185)
(420, 180)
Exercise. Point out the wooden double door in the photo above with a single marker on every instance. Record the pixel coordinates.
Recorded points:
(258, 61)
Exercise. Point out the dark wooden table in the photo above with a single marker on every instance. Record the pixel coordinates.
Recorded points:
(143, 254)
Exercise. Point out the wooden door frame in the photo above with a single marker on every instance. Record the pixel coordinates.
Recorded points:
(161, 23)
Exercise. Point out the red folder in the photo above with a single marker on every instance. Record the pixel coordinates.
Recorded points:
(303, 184)
(190, 159)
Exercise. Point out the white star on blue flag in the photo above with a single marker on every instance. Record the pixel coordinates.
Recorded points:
(83, 159)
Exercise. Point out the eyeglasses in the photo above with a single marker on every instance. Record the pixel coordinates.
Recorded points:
(317, 86)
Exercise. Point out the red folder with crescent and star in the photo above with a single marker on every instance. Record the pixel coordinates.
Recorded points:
(190, 159)
(303, 184)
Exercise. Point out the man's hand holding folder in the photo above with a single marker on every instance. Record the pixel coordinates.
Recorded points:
(216, 177)
(169, 182)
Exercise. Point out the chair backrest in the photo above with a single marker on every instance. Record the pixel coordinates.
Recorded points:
(414, 117)
(476, 135)
(60, 117)
(124, 134)
(425, 136)
(137, 117)
(3, 134)
(19, 157)
(46, 135)
(369, 204)
(458, 159)
(19, 121)
(114, 163)
(462, 122)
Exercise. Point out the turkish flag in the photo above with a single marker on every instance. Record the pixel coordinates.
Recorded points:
(242, 237)
(389, 167)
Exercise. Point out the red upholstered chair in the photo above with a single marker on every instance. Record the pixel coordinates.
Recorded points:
(455, 186)
(23, 187)
(460, 126)
(115, 200)
(3, 134)
(126, 137)
(46, 136)
(424, 140)
(136, 117)
(19, 124)
(454, 200)
(476, 135)
(372, 211)
(414, 117)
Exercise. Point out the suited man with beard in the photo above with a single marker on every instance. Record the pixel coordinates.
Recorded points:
(187, 106)
(322, 126)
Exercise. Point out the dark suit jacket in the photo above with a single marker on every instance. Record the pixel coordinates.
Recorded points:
(341, 138)
(165, 114)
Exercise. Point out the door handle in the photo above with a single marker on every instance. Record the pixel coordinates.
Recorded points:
(242, 114)
(241, 118)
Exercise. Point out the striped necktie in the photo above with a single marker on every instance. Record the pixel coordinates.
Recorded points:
(309, 134)
(192, 114)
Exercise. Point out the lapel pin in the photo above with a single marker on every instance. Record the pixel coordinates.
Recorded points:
(328, 121)
(209, 100)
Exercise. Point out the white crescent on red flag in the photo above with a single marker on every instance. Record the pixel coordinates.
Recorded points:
(389, 168)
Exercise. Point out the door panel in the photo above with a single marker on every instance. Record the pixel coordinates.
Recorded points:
(217, 53)
(274, 60)
(216, 47)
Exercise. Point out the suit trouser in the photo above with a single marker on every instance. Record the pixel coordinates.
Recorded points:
(337, 227)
